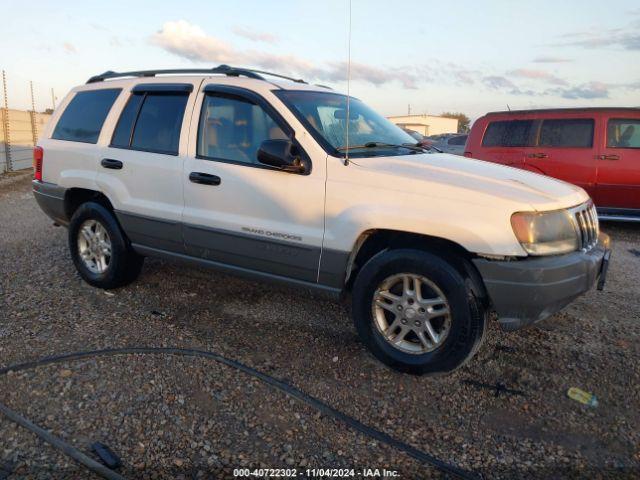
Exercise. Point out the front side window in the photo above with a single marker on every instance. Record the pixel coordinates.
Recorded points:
(325, 116)
(83, 118)
(623, 133)
(569, 133)
(151, 122)
(233, 128)
(509, 133)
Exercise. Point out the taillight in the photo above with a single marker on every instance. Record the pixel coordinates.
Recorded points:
(38, 155)
(468, 154)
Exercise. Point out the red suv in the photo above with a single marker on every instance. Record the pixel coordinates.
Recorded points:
(595, 148)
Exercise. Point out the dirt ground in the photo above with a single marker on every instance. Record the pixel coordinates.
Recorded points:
(170, 416)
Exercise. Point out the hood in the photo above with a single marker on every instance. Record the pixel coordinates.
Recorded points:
(469, 180)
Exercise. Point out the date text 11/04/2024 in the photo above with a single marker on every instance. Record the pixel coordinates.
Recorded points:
(316, 472)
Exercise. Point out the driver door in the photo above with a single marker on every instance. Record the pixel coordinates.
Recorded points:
(239, 212)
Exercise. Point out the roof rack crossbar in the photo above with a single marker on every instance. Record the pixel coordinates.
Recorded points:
(221, 69)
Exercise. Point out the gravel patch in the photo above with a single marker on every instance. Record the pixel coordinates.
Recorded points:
(309, 341)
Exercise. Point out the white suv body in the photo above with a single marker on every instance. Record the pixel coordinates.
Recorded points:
(191, 189)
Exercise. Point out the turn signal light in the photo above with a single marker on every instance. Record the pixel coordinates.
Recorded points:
(38, 155)
(468, 154)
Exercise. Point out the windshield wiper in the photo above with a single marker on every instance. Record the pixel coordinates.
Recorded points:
(408, 146)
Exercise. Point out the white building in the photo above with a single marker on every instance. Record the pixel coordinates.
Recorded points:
(426, 124)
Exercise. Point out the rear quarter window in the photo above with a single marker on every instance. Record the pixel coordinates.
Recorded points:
(509, 133)
(569, 133)
(83, 118)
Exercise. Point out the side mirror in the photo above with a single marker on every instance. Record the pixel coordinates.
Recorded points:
(281, 154)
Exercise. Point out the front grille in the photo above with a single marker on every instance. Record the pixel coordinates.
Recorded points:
(586, 222)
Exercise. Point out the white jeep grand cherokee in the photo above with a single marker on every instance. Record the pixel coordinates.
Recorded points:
(223, 168)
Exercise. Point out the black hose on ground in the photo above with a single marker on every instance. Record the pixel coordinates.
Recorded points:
(274, 382)
(60, 444)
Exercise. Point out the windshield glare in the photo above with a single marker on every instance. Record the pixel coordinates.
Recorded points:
(325, 115)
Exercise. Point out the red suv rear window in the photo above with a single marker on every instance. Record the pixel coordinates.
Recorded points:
(509, 133)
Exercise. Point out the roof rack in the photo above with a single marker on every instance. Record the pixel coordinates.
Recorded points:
(221, 69)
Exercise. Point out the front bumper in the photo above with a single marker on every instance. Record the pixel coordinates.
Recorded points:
(529, 290)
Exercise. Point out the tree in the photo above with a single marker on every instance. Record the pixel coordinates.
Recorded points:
(463, 120)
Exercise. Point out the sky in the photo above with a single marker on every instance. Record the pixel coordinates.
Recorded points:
(467, 56)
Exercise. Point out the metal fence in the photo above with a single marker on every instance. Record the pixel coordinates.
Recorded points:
(20, 129)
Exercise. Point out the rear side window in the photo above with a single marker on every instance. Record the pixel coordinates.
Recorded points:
(572, 133)
(83, 118)
(622, 133)
(151, 122)
(509, 133)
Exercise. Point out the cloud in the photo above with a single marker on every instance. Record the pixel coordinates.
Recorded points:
(588, 91)
(191, 42)
(69, 48)
(254, 35)
(337, 72)
(497, 82)
(449, 72)
(466, 77)
(551, 59)
(537, 75)
(626, 38)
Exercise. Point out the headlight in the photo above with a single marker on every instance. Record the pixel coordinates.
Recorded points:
(545, 233)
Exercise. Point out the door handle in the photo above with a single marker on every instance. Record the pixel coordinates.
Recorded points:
(111, 163)
(537, 155)
(204, 178)
(609, 157)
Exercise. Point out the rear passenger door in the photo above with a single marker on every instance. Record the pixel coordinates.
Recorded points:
(239, 212)
(142, 168)
(618, 184)
(565, 150)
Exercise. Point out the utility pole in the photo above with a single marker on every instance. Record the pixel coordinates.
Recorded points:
(5, 126)
(53, 100)
(409, 109)
(34, 126)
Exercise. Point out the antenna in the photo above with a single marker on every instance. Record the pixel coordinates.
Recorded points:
(346, 152)
(508, 107)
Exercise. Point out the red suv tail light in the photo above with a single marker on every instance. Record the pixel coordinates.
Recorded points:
(468, 154)
(38, 155)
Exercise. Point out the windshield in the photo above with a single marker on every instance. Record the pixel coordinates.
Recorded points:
(325, 116)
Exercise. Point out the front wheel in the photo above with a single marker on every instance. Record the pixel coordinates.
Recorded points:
(415, 312)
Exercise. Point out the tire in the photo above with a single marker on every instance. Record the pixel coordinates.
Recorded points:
(119, 268)
(451, 339)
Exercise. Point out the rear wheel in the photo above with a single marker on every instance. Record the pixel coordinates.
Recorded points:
(415, 312)
(100, 251)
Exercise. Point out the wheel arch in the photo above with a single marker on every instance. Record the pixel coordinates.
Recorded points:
(373, 241)
(74, 197)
